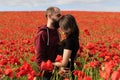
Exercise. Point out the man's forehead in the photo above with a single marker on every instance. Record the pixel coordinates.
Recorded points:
(57, 11)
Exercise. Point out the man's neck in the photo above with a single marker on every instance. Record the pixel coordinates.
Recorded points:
(50, 26)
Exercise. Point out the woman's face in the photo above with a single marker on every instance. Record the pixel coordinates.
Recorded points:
(62, 33)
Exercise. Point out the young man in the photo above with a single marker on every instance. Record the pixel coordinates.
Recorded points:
(46, 41)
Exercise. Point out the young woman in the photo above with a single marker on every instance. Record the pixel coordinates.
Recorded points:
(70, 44)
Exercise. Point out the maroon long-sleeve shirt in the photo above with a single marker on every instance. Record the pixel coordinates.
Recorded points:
(46, 44)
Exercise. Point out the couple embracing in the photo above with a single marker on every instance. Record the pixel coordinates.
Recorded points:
(48, 42)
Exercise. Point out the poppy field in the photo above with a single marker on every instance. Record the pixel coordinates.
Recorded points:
(98, 57)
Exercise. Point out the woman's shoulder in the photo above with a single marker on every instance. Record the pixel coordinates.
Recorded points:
(71, 39)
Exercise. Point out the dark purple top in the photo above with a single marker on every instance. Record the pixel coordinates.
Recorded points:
(46, 44)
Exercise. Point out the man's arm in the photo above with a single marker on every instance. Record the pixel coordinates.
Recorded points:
(40, 47)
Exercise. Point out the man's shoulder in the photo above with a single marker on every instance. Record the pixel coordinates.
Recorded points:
(42, 29)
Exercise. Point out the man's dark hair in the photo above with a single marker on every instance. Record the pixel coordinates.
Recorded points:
(50, 10)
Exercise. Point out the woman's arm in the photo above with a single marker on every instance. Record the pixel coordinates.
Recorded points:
(66, 56)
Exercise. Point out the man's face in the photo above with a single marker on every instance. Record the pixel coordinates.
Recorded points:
(55, 18)
(56, 15)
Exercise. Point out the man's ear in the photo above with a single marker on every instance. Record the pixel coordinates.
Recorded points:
(49, 15)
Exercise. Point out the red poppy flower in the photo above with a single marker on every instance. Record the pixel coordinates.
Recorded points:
(49, 65)
(9, 72)
(58, 58)
(66, 79)
(87, 32)
(1, 71)
(81, 74)
(115, 75)
(32, 58)
(78, 63)
(43, 66)
(4, 62)
(90, 46)
(24, 69)
(31, 75)
(102, 74)
(46, 65)
(94, 64)
(87, 78)
(14, 61)
(76, 72)
(2, 42)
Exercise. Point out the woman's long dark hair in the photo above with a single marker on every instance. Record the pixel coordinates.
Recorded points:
(69, 26)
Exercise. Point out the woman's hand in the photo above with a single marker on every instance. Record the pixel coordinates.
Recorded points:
(63, 71)
(58, 64)
(66, 57)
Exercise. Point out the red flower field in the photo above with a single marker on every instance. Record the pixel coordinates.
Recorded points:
(98, 56)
